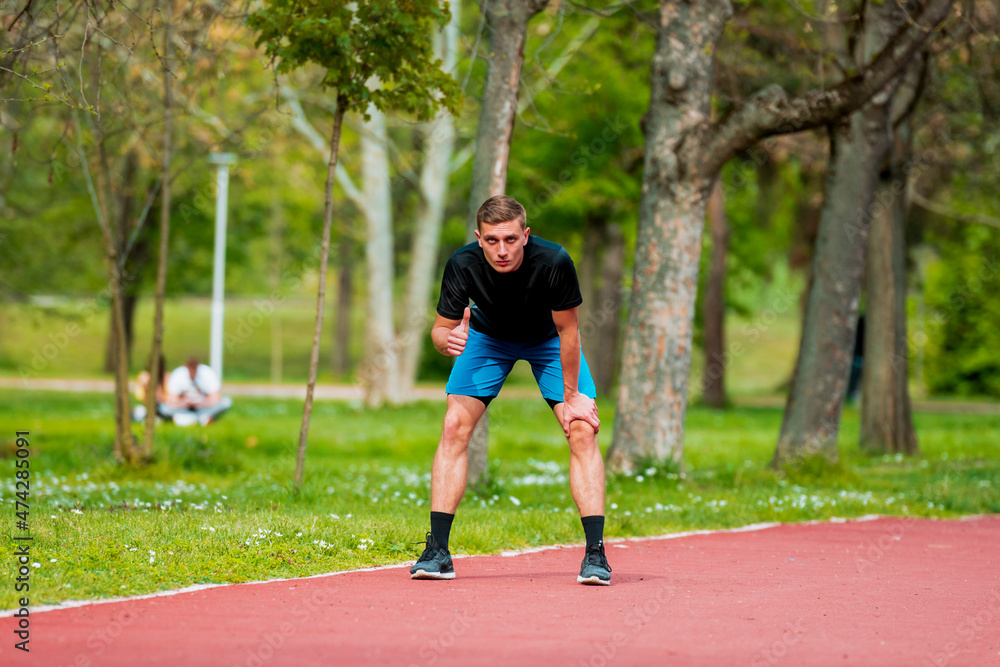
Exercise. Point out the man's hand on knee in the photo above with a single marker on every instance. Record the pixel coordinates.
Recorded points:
(579, 406)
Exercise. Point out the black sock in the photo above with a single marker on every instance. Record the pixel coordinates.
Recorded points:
(441, 527)
(593, 526)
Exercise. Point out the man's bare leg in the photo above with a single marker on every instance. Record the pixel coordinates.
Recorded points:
(586, 481)
(451, 465)
(451, 461)
(586, 467)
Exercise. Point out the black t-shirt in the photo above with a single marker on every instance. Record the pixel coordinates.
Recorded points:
(517, 306)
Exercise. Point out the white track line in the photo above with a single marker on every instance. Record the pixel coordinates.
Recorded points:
(69, 604)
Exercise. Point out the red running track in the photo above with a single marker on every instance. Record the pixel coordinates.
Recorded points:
(884, 592)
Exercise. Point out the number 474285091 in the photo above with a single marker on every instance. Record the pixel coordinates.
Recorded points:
(23, 475)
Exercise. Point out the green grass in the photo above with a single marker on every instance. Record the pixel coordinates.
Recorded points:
(217, 504)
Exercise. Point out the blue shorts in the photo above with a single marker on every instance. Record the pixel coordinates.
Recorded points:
(483, 366)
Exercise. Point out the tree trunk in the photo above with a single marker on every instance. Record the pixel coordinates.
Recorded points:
(161, 268)
(130, 302)
(345, 304)
(507, 23)
(656, 354)
(714, 381)
(125, 445)
(130, 295)
(601, 268)
(886, 411)
(587, 268)
(858, 149)
(380, 376)
(816, 395)
(434, 182)
(331, 170)
(606, 320)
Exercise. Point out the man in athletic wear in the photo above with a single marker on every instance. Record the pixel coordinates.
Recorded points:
(526, 297)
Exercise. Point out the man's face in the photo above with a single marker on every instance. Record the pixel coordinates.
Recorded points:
(503, 244)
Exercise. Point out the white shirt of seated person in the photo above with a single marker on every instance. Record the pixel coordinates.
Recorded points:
(206, 382)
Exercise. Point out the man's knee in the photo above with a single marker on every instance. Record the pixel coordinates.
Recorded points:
(457, 428)
(581, 431)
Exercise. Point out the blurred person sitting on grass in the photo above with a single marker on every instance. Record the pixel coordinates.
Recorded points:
(191, 394)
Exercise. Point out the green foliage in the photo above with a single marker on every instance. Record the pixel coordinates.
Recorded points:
(354, 42)
(578, 146)
(963, 354)
(957, 125)
(761, 220)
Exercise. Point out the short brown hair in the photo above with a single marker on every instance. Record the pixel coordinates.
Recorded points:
(500, 208)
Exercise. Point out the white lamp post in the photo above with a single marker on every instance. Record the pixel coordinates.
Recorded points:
(223, 160)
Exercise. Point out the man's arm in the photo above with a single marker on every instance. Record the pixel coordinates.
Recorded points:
(575, 404)
(449, 336)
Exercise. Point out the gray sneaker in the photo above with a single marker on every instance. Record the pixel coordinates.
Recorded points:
(595, 569)
(434, 562)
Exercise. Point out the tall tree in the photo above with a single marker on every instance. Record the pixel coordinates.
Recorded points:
(858, 148)
(380, 375)
(685, 151)
(886, 410)
(507, 24)
(154, 368)
(354, 44)
(135, 263)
